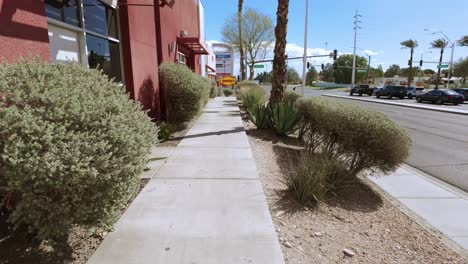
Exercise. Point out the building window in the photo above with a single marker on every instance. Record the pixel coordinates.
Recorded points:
(66, 11)
(181, 58)
(94, 42)
(104, 54)
(100, 18)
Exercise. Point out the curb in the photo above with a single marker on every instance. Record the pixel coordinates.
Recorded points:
(444, 238)
(451, 111)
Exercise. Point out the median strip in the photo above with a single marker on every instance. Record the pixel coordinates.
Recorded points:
(453, 111)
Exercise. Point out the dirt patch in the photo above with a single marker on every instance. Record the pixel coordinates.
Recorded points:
(356, 225)
(17, 247)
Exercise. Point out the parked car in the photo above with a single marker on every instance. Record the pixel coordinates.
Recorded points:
(392, 91)
(376, 89)
(414, 92)
(361, 89)
(462, 91)
(441, 97)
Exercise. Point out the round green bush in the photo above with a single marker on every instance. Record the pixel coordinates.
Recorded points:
(72, 146)
(187, 92)
(362, 138)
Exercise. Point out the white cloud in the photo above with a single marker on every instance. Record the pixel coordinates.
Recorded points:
(372, 53)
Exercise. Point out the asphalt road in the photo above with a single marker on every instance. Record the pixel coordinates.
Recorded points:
(440, 140)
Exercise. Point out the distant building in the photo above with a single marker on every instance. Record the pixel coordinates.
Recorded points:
(128, 39)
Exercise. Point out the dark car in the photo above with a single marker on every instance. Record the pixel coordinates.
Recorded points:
(441, 97)
(361, 89)
(462, 91)
(392, 91)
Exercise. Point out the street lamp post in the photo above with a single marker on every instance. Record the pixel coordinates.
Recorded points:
(304, 60)
(438, 31)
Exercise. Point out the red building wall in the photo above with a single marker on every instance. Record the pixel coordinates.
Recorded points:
(23, 30)
(182, 16)
(139, 47)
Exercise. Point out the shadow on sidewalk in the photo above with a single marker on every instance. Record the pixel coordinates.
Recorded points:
(215, 133)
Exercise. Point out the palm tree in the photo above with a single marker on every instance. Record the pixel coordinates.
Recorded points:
(463, 41)
(279, 61)
(241, 48)
(410, 44)
(439, 44)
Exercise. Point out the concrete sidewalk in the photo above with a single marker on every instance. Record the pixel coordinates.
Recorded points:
(441, 206)
(205, 205)
(388, 102)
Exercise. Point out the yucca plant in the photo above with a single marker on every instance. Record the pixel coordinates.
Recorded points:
(284, 118)
(260, 116)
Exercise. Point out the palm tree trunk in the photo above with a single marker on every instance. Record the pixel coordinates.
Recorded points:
(279, 61)
(241, 48)
(438, 70)
(410, 73)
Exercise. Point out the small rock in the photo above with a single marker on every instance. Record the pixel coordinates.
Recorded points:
(279, 213)
(287, 244)
(348, 252)
(297, 236)
(300, 248)
(168, 248)
(281, 239)
(318, 234)
(103, 234)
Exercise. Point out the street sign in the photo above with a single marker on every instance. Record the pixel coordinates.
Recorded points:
(227, 80)
(442, 66)
(259, 66)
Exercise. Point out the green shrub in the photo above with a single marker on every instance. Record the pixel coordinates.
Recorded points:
(187, 92)
(252, 96)
(291, 97)
(314, 177)
(214, 89)
(284, 118)
(260, 116)
(72, 146)
(165, 131)
(363, 139)
(227, 92)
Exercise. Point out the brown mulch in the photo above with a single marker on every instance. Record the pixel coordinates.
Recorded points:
(357, 219)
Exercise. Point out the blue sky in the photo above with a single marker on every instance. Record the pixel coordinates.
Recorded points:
(384, 25)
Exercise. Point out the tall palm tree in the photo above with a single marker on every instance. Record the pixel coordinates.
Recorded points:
(279, 61)
(241, 46)
(463, 41)
(439, 44)
(410, 44)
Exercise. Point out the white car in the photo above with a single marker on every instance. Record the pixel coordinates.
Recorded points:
(414, 92)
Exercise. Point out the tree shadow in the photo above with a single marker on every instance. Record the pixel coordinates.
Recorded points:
(357, 196)
(214, 133)
(270, 136)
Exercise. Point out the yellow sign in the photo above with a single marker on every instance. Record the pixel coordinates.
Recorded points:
(228, 80)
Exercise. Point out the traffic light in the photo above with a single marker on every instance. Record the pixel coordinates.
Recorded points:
(308, 65)
(322, 67)
(335, 54)
(420, 63)
(409, 62)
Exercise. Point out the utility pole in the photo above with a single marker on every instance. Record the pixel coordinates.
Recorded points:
(304, 60)
(450, 65)
(356, 27)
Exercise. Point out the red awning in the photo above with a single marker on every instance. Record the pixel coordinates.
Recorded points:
(193, 45)
(209, 69)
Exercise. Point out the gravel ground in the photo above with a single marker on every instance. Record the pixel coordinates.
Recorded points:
(354, 226)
